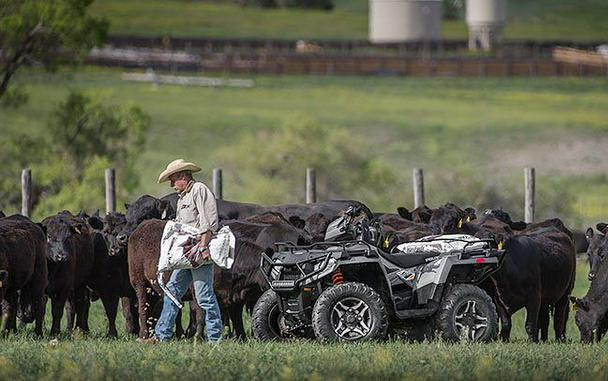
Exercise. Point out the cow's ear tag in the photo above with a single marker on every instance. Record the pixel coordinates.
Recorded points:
(76, 229)
(460, 223)
(501, 244)
(386, 242)
(468, 218)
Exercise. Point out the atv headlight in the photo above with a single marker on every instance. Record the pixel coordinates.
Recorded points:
(275, 273)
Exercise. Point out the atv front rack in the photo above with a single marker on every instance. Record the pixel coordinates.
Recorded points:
(340, 250)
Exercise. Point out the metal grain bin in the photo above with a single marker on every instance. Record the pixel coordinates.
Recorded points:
(404, 20)
(486, 20)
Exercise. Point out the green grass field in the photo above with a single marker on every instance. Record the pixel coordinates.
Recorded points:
(469, 134)
(582, 20)
(94, 357)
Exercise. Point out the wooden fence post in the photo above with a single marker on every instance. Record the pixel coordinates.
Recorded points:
(217, 183)
(311, 186)
(110, 190)
(530, 180)
(418, 180)
(26, 192)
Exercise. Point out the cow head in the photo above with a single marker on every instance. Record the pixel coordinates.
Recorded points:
(586, 317)
(58, 230)
(144, 208)
(598, 248)
(506, 218)
(113, 224)
(448, 218)
(404, 213)
(422, 214)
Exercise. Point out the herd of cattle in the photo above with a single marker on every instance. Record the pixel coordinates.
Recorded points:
(76, 259)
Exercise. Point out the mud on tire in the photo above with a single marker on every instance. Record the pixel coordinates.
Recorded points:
(467, 313)
(349, 312)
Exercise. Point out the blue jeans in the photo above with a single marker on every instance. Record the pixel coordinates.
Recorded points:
(203, 291)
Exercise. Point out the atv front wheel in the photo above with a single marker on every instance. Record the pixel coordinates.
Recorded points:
(467, 313)
(349, 312)
(266, 318)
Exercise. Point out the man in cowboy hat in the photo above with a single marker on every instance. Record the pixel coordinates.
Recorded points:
(196, 207)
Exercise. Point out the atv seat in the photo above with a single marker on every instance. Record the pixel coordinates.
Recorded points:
(407, 260)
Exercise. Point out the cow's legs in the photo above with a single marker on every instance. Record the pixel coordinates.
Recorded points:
(179, 328)
(532, 312)
(236, 316)
(196, 322)
(110, 305)
(81, 302)
(9, 313)
(143, 311)
(129, 312)
(70, 312)
(57, 304)
(560, 318)
(543, 322)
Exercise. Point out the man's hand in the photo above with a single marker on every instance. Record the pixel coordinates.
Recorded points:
(204, 251)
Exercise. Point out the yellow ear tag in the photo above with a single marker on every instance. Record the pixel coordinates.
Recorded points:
(77, 230)
(460, 223)
(468, 218)
(501, 244)
(386, 242)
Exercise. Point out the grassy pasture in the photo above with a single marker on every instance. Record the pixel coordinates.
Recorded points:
(94, 357)
(463, 131)
(581, 20)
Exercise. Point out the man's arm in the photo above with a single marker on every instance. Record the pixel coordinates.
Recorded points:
(207, 217)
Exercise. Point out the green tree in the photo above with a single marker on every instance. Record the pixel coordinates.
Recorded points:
(85, 137)
(45, 32)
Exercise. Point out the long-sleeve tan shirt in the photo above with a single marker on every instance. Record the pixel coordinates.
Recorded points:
(196, 207)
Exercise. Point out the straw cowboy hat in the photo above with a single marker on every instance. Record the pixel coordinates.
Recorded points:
(177, 166)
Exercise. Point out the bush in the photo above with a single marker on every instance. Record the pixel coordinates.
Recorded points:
(271, 165)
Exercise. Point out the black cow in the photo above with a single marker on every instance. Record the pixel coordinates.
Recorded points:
(70, 253)
(110, 276)
(597, 248)
(144, 208)
(449, 218)
(23, 272)
(592, 310)
(537, 274)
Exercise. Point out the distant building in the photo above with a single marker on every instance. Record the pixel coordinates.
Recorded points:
(486, 21)
(404, 20)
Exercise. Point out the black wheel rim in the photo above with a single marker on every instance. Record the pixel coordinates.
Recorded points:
(274, 316)
(471, 321)
(351, 319)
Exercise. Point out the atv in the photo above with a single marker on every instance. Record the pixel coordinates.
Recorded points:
(348, 288)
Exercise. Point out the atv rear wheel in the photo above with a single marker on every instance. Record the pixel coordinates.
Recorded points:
(467, 313)
(349, 312)
(267, 317)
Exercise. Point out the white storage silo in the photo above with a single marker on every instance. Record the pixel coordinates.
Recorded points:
(404, 20)
(486, 20)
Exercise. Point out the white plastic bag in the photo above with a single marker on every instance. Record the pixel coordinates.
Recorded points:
(173, 256)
